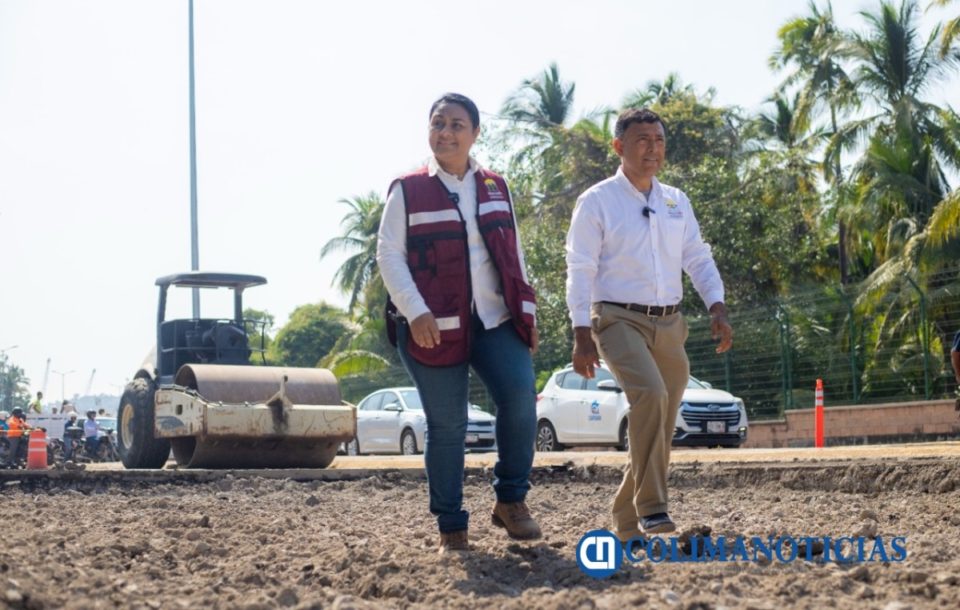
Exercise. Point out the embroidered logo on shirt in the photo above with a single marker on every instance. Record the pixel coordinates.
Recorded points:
(673, 210)
(492, 189)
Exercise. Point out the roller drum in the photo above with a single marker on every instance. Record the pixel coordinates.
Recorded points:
(256, 384)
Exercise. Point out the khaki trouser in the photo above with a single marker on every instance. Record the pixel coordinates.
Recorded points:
(646, 356)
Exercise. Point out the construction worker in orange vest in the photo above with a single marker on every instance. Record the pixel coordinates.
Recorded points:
(16, 426)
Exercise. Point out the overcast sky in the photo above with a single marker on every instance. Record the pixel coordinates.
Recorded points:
(299, 104)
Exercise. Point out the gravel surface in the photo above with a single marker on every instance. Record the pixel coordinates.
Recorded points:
(247, 542)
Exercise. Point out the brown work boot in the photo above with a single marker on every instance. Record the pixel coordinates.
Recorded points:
(515, 518)
(453, 542)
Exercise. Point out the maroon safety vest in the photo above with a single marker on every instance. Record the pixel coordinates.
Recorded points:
(438, 256)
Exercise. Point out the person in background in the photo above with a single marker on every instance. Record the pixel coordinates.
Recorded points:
(16, 427)
(3, 424)
(449, 253)
(36, 405)
(91, 433)
(68, 441)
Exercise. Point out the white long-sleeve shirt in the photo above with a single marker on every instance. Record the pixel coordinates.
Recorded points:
(392, 252)
(616, 254)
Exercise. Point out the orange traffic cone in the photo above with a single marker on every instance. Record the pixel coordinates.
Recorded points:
(818, 415)
(37, 451)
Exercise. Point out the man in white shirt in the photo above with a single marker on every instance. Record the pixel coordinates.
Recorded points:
(91, 433)
(630, 240)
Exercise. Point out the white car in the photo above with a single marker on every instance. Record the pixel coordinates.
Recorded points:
(573, 410)
(392, 421)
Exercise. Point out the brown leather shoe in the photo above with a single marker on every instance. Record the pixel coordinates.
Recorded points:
(515, 518)
(454, 542)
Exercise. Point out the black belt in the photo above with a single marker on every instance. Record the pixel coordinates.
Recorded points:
(648, 310)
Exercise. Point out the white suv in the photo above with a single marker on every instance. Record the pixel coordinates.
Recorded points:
(573, 410)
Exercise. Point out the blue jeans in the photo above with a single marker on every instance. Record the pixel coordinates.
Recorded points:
(503, 362)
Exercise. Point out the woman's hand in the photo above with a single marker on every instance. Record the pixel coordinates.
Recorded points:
(425, 332)
(534, 340)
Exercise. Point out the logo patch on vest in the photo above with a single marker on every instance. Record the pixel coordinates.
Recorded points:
(492, 189)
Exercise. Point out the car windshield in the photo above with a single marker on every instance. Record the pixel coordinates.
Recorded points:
(695, 384)
(107, 423)
(412, 399)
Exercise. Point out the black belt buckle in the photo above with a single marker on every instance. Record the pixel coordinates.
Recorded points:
(655, 311)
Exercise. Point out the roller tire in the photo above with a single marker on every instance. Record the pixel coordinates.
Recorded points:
(136, 444)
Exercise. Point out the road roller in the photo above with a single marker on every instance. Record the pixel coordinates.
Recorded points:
(198, 395)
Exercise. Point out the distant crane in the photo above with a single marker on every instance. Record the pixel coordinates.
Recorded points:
(90, 383)
(46, 378)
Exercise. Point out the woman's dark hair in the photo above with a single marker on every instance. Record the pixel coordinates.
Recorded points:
(635, 115)
(460, 100)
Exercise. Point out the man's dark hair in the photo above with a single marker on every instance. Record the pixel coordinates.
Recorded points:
(636, 115)
(460, 100)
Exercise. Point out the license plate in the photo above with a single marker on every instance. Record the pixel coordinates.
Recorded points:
(716, 427)
(473, 438)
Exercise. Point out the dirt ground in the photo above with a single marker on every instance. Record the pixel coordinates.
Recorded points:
(95, 541)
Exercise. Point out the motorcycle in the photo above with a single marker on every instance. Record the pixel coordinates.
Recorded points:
(75, 448)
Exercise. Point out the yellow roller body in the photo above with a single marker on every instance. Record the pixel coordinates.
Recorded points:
(219, 416)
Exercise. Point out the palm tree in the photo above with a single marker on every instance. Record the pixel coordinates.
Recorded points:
(360, 225)
(661, 92)
(811, 47)
(538, 112)
(951, 29)
(895, 67)
(782, 127)
(544, 102)
(901, 174)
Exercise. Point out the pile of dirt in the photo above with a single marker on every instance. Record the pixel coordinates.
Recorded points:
(249, 542)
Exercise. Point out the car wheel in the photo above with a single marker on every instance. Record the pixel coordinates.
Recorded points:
(353, 447)
(547, 437)
(624, 437)
(408, 443)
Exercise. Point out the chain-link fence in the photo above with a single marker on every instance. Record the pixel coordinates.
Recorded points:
(870, 343)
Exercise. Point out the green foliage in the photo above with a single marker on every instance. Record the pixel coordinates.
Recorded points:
(356, 362)
(259, 326)
(698, 130)
(544, 255)
(308, 336)
(14, 386)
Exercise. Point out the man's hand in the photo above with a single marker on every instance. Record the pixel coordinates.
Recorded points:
(585, 356)
(720, 328)
(425, 332)
(534, 340)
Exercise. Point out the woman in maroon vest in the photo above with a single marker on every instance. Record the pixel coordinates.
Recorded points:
(449, 254)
